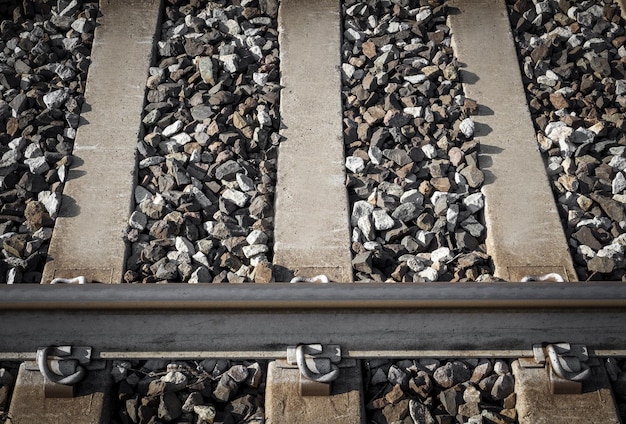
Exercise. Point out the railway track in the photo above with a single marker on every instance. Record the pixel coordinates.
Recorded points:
(378, 142)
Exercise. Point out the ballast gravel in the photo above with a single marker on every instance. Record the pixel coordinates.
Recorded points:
(412, 164)
(432, 391)
(573, 62)
(8, 374)
(207, 162)
(44, 57)
(204, 392)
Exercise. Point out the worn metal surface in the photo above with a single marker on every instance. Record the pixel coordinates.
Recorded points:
(312, 233)
(524, 232)
(87, 238)
(361, 318)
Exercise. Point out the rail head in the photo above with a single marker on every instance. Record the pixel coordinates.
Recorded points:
(367, 320)
(311, 296)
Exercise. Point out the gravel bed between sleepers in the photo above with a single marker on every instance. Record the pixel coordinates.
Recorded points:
(44, 57)
(413, 174)
(207, 162)
(573, 62)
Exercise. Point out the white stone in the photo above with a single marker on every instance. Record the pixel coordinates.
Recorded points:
(415, 264)
(181, 138)
(233, 27)
(206, 413)
(452, 215)
(52, 202)
(619, 183)
(375, 155)
(424, 237)
(257, 237)
(56, 99)
(260, 78)
(184, 245)
(245, 183)
(440, 255)
(618, 162)
(474, 202)
(429, 151)
(416, 79)
(255, 249)
(173, 128)
(230, 62)
(467, 127)
(201, 258)
(138, 220)
(586, 251)
(365, 225)
(348, 70)
(237, 197)
(37, 165)
(355, 164)
(423, 15)
(382, 220)
(263, 116)
(359, 209)
(415, 112)
(206, 68)
(353, 35)
(429, 274)
(412, 196)
(32, 151)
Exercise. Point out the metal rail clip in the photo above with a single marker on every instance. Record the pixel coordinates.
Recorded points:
(568, 364)
(63, 367)
(318, 365)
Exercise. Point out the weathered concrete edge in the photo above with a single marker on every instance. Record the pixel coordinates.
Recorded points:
(541, 244)
(312, 232)
(110, 272)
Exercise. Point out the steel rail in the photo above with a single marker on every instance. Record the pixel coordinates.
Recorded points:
(367, 320)
(365, 296)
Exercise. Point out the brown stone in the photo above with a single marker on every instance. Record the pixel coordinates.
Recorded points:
(263, 273)
(456, 156)
(37, 216)
(470, 107)
(559, 101)
(369, 49)
(473, 175)
(614, 209)
(15, 245)
(396, 412)
(395, 395)
(441, 184)
(585, 236)
(601, 265)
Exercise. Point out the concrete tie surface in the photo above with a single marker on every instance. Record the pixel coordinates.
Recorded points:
(311, 233)
(96, 204)
(524, 232)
